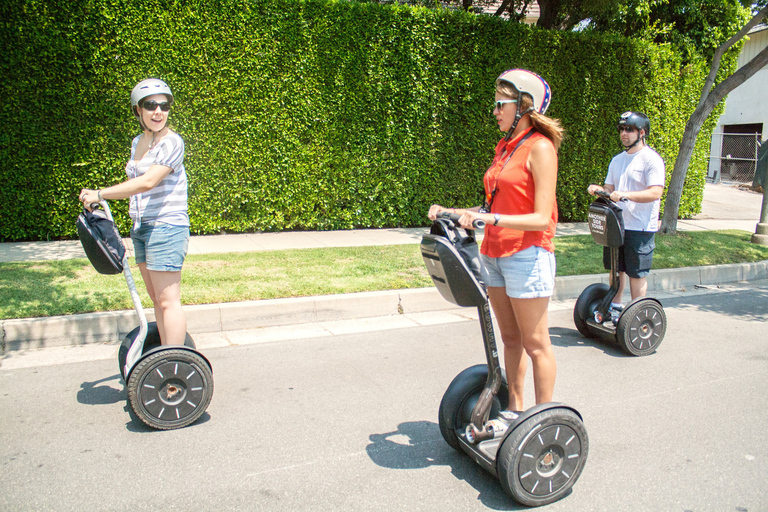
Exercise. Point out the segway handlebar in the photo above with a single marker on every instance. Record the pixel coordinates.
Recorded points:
(454, 217)
(606, 195)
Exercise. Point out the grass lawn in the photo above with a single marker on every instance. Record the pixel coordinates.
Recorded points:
(65, 287)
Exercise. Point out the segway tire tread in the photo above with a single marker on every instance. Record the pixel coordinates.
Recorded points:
(170, 388)
(460, 398)
(641, 327)
(542, 457)
(586, 305)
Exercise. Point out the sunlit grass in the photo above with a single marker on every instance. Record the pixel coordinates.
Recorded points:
(73, 286)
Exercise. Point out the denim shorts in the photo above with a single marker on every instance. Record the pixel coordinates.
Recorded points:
(528, 274)
(161, 246)
(636, 255)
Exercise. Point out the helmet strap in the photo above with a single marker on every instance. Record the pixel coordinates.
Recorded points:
(518, 115)
(638, 141)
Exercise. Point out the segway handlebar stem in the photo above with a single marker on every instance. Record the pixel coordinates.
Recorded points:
(135, 352)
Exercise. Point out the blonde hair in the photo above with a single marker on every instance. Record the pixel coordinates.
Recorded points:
(547, 126)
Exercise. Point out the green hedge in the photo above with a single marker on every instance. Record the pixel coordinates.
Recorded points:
(308, 114)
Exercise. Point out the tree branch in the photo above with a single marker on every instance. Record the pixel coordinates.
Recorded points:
(757, 18)
(505, 5)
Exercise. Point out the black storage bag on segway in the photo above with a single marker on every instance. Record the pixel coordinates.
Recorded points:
(465, 245)
(606, 223)
(101, 241)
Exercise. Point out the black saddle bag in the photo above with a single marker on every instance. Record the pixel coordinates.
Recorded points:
(606, 223)
(101, 241)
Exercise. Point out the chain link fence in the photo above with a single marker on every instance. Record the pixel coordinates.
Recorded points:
(733, 157)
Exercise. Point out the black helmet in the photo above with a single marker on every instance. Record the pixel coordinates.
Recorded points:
(636, 119)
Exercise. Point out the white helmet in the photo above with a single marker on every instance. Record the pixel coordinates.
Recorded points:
(527, 82)
(147, 88)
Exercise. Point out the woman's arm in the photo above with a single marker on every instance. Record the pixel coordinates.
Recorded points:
(126, 189)
(435, 209)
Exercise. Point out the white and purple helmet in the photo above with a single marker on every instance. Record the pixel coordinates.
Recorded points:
(528, 82)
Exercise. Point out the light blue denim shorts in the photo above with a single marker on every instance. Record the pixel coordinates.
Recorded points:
(528, 274)
(161, 246)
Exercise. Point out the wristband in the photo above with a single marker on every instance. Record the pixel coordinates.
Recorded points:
(98, 194)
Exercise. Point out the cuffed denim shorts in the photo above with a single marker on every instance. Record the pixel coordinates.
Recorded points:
(528, 274)
(161, 246)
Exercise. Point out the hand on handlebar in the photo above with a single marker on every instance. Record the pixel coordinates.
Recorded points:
(434, 211)
(467, 220)
(617, 196)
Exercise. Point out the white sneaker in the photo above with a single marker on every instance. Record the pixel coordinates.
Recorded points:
(508, 416)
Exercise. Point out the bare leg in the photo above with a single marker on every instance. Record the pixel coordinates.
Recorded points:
(514, 361)
(164, 288)
(622, 285)
(638, 287)
(532, 318)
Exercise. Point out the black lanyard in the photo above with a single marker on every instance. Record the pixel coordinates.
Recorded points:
(486, 208)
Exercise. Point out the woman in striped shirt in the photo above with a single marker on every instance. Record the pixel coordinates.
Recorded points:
(157, 189)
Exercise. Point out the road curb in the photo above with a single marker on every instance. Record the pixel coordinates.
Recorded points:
(111, 327)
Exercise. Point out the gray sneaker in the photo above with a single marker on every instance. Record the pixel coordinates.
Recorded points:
(616, 313)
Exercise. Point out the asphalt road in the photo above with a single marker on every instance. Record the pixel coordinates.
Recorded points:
(349, 422)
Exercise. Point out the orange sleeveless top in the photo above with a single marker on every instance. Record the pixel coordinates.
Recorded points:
(514, 195)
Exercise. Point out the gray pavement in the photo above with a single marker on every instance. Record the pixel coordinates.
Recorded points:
(348, 421)
(724, 207)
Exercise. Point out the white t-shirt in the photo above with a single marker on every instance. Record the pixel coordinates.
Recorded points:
(633, 173)
(167, 202)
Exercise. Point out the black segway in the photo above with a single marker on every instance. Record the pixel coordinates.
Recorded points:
(642, 323)
(538, 455)
(169, 387)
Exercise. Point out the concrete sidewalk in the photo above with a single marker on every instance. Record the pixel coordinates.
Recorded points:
(724, 207)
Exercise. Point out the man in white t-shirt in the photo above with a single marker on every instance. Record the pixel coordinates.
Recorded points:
(637, 175)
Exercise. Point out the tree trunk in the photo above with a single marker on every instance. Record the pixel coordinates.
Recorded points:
(709, 99)
(549, 12)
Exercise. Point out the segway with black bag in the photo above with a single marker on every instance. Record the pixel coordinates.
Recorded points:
(169, 387)
(641, 325)
(537, 455)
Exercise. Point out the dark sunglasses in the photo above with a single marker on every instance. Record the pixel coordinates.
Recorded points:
(628, 129)
(152, 106)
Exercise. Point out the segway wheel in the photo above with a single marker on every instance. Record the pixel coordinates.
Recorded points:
(541, 459)
(152, 340)
(170, 388)
(460, 398)
(641, 327)
(586, 305)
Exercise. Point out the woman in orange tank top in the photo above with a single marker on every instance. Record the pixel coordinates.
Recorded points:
(520, 213)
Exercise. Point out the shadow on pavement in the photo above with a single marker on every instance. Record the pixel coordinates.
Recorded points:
(565, 337)
(91, 393)
(419, 445)
(96, 393)
(750, 305)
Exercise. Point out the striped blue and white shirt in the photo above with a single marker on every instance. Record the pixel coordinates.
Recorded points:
(167, 202)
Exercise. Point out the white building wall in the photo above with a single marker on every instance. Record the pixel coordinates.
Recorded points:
(748, 103)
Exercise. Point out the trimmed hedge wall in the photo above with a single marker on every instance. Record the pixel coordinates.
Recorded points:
(309, 114)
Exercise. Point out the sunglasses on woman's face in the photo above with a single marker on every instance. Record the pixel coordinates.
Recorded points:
(628, 129)
(500, 104)
(152, 106)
